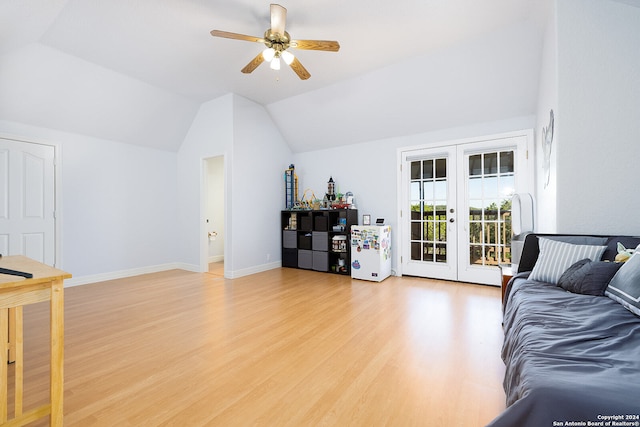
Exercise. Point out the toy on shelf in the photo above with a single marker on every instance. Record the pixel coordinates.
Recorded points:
(311, 203)
(291, 187)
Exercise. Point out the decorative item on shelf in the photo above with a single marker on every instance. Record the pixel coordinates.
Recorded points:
(340, 202)
(343, 201)
(330, 196)
(292, 222)
(339, 243)
(291, 187)
(351, 201)
(308, 203)
(341, 267)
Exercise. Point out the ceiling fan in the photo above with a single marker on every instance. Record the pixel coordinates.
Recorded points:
(278, 41)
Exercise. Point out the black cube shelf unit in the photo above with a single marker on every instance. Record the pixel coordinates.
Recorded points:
(318, 239)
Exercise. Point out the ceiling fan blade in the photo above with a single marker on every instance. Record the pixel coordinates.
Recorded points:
(236, 36)
(299, 69)
(278, 19)
(259, 59)
(327, 45)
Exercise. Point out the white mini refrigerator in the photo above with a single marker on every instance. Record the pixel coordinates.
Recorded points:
(370, 252)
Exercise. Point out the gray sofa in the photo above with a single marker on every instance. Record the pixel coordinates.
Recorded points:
(571, 357)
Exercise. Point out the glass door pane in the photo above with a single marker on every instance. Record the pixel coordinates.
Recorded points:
(490, 184)
(429, 190)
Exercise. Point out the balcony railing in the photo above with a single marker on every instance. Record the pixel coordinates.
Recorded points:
(489, 235)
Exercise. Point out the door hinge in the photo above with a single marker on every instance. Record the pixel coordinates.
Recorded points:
(527, 154)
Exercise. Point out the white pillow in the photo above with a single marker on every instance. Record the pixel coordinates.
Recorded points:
(556, 257)
(625, 285)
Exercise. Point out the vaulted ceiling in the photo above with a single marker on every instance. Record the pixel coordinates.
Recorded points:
(136, 71)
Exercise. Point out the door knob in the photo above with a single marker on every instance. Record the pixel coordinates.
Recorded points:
(452, 220)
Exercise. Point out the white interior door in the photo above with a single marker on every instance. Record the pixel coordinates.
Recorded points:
(27, 200)
(458, 204)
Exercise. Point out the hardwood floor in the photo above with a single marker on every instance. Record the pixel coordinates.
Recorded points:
(284, 347)
(217, 268)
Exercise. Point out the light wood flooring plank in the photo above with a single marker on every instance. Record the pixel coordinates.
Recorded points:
(285, 347)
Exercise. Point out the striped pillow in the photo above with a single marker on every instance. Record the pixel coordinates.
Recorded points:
(556, 257)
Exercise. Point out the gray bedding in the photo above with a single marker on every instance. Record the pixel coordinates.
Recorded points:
(570, 359)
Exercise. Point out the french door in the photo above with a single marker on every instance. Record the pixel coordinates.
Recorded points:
(456, 207)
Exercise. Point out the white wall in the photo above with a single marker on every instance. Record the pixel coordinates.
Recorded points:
(599, 111)
(490, 78)
(256, 156)
(261, 156)
(370, 169)
(51, 89)
(122, 213)
(118, 211)
(210, 135)
(545, 197)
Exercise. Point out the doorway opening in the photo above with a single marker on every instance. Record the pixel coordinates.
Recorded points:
(214, 215)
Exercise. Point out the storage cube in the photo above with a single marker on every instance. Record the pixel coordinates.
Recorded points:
(320, 241)
(305, 259)
(289, 239)
(320, 261)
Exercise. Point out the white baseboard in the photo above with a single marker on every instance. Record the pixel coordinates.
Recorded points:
(76, 281)
(216, 258)
(84, 280)
(252, 270)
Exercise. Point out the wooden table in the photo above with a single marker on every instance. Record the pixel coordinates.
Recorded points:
(15, 292)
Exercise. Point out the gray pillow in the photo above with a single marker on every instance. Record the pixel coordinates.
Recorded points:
(588, 277)
(556, 257)
(625, 285)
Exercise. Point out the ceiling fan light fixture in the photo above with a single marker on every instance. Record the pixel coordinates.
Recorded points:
(287, 57)
(268, 54)
(277, 40)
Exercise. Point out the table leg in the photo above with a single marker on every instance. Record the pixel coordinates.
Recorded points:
(18, 357)
(12, 335)
(4, 353)
(57, 352)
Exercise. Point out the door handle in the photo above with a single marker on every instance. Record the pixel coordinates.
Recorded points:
(452, 220)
